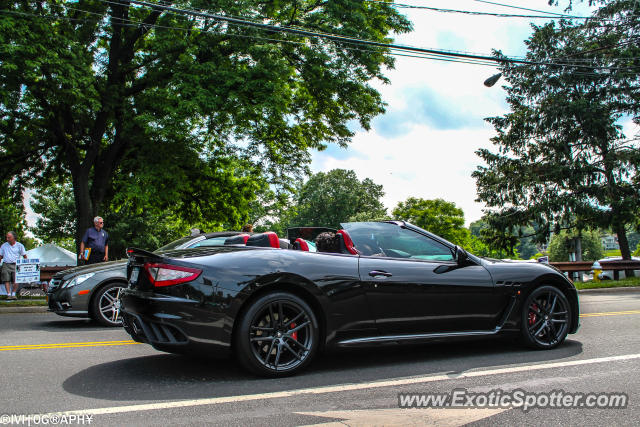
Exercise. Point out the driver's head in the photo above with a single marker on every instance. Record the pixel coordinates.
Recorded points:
(328, 242)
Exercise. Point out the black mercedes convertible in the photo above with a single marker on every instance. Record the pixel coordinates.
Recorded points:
(276, 303)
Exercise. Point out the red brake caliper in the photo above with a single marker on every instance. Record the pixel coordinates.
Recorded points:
(532, 315)
(295, 334)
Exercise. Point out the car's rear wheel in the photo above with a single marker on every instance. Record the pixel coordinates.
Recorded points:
(105, 305)
(546, 318)
(277, 335)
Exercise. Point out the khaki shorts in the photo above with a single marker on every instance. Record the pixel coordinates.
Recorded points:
(8, 273)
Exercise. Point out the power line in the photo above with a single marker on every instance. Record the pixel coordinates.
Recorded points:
(448, 53)
(352, 40)
(475, 13)
(136, 24)
(563, 15)
(395, 50)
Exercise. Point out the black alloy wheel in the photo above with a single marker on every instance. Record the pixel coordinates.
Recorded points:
(105, 305)
(277, 335)
(546, 318)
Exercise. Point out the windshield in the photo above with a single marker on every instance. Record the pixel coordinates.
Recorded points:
(176, 244)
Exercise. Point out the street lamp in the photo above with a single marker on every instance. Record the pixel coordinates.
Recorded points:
(492, 80)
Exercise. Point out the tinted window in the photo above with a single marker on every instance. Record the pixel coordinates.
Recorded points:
(383, 239)
(215, 241)
(176, 244)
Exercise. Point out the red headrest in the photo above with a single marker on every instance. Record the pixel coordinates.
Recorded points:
(274, 240)
(301, 244)
(348, 242)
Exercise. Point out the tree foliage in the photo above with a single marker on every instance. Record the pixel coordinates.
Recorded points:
(327, 199)
(561, 159)
(12, 215)
(563, 243)
(145, 229)
(105, 93)
(437, 216)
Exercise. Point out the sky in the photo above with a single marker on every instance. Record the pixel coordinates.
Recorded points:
(424, 145)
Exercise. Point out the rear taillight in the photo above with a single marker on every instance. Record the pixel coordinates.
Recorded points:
(167, 275)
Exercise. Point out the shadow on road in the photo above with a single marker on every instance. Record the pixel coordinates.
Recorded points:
(170, 377)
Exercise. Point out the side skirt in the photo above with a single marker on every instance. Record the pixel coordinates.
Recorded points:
(355, 342)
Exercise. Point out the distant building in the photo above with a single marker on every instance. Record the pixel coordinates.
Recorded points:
(610, 242)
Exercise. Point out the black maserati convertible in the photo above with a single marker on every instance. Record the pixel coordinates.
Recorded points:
(275, 304)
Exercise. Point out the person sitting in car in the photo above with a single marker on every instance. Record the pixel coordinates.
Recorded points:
(328, 242)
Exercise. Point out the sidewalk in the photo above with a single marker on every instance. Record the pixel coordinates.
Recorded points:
(5, 307)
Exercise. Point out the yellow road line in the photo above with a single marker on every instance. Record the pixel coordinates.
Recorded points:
(131, 342)
(66, 345)
(610, 313)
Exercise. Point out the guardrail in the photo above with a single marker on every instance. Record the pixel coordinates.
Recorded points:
(581, 266)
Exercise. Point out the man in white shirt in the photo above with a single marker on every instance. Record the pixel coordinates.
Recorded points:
(10, 252)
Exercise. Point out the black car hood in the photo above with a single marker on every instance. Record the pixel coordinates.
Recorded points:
(92, 268)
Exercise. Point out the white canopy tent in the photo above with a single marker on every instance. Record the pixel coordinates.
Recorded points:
(51, 255)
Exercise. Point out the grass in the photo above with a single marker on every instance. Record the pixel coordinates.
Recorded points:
(624, 283)
(25, 301)
(612, 252)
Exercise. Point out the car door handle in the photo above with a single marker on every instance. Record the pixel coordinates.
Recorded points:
(375, 273)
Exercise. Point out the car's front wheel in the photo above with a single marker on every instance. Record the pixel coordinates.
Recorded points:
(105, 305)
(277, 335)
(546, 318)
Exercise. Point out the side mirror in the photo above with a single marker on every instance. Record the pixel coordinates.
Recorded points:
(461, 255)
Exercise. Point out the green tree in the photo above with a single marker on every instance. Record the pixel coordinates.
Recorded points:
(563, 243)
(87, 85)
(327, 199)
(562, 160)
(145, 229)
(56, 216)
(437, 216)
(12, 215)
(522, 244)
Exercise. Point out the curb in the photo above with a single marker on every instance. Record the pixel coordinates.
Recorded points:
(621, 289)
(27, 309)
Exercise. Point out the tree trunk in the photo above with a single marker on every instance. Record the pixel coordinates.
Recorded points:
(624, 246)
(578, 246)
(84, 210)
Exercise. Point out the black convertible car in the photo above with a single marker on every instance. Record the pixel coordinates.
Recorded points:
(393, 282)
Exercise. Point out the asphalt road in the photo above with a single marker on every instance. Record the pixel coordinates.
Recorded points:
(53, 364)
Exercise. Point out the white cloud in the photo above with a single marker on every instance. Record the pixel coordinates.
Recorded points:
(429, 159)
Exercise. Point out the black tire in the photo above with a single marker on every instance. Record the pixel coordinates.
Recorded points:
(99, 307)
(546, 318)
(277, 335)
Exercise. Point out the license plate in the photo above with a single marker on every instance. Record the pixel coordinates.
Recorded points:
(134, 275)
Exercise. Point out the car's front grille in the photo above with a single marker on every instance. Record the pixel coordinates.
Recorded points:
(153, 332)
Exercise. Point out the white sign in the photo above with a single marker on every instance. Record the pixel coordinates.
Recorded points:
(27, 270)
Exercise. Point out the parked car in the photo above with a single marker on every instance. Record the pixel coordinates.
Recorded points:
(392, 282)
(93, 290)
(608, 274)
